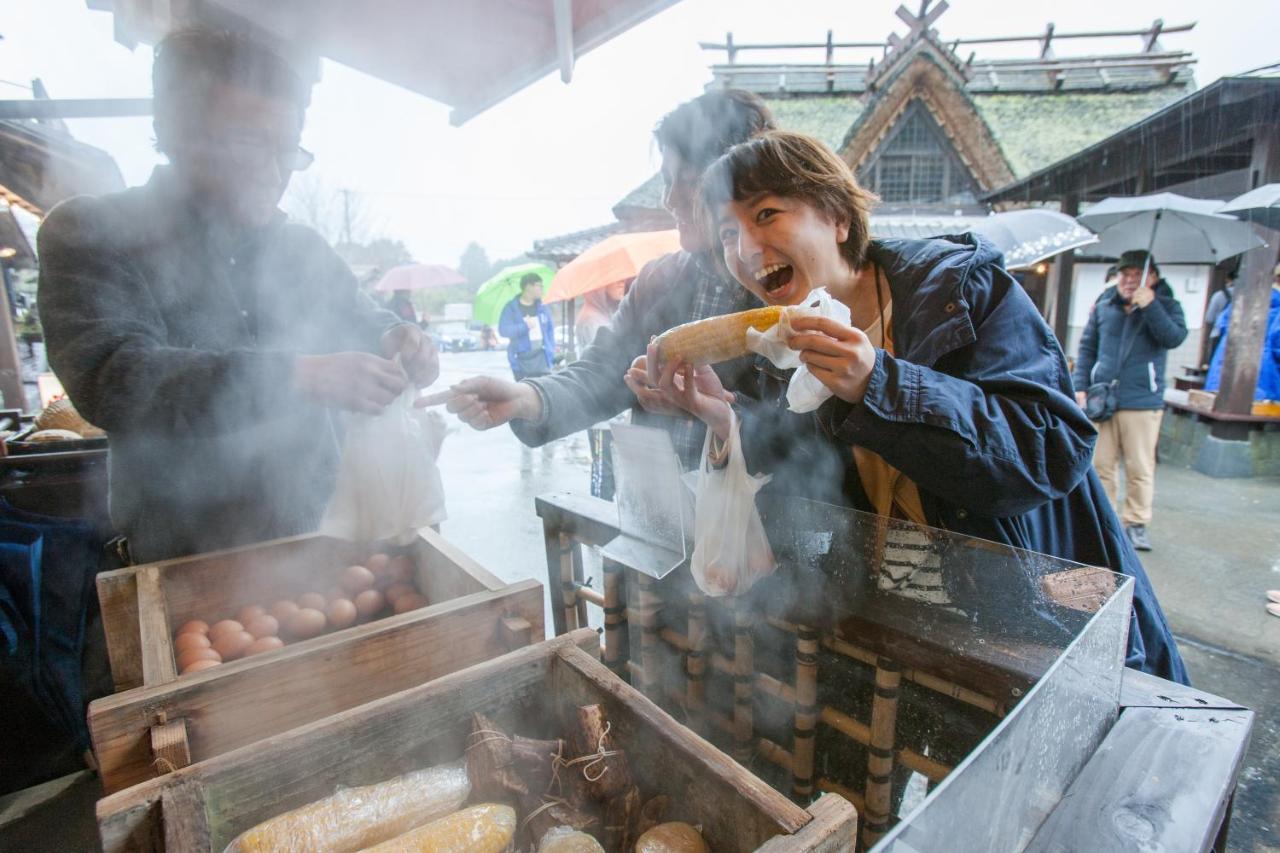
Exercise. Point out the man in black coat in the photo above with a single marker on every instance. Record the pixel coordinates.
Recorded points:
(212, 340)
(1131, 329)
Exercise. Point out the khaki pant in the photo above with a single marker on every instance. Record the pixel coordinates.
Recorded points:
(1130, 437)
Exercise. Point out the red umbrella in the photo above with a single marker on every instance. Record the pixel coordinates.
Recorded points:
(613, 259)
(418, 276)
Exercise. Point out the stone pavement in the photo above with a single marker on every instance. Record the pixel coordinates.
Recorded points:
(1217, 551)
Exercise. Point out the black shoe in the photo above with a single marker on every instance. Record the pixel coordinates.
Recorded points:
(1138, 536)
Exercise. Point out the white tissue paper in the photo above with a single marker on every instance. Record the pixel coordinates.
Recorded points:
(805, 392)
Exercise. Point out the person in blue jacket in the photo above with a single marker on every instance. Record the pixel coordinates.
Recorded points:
(1268, 387)
(527, 323)
(952, 404)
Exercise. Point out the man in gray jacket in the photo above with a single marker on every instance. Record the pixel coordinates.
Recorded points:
(678, 288)
(214, 341)
(1131, 329)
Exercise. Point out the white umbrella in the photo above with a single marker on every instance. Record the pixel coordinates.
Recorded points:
(1261, 205)
(1174, 229)
(1027, 237)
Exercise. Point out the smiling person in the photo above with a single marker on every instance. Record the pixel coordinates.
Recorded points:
(212, 340)
(683, 286)
(952, 405)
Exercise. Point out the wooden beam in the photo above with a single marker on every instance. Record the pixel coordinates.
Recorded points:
(1249, 307)
(60, 108)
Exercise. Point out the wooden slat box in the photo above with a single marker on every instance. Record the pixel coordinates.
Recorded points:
(203, 807)
(162, 721)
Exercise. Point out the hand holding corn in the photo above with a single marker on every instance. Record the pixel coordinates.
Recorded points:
(839, 356)
(681, 388)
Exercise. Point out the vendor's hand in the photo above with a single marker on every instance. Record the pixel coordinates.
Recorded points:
(840, 356)
(681, 388)
(353, 381)
(418, 354)
(485, 402)
(1143, 296)
(1081, 398)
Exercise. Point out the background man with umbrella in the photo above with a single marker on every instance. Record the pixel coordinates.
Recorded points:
(1131, 329)
(530, 330)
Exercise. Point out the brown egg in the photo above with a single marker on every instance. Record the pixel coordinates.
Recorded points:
(263, 644)
(191, 641)
(199, 665)
(398, 589)
(312, 600)
(226, 626)
(356, 579)
(341, 613)
(401, 568)
(306, 623)
(249, 612)
(190, 656)
(369, 602)
(232, 645)
(283, 609)
(198, 626)
(412, 601)
(263, 626)
(377, 564)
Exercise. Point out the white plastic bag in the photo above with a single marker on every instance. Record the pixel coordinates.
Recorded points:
(730, 551)
(388, 483)
(805, 392)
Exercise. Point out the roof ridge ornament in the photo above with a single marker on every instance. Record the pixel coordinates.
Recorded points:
(919, 29)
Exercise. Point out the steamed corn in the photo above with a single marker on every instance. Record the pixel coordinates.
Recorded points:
(715, 339)
(486, 828)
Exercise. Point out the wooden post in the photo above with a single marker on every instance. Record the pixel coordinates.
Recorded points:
(744, 665)
(1060, 282)
(568, 591)
(1249, 306)
(10, 364)
(696, 663)
(884, 723)
(806, 713)
(615, 620)
(650, 680)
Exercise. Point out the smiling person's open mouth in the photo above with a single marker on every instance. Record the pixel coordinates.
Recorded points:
(775, 277)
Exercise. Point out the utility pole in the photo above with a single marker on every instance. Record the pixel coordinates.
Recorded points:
(346, 217)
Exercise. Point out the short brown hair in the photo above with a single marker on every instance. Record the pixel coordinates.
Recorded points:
(792, 165)
(702, 129)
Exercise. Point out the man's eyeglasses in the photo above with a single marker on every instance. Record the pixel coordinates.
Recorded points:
(251, 153)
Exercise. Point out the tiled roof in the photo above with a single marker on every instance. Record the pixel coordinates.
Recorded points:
(565, 247)
(1036, 130)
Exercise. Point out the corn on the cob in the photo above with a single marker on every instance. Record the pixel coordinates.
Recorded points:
(359, 817)
(715, 339)
(486, 828)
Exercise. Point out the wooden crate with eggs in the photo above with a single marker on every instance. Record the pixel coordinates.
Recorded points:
(216, 651)
(540, 749)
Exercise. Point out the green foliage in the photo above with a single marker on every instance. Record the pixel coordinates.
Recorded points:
(474, 265)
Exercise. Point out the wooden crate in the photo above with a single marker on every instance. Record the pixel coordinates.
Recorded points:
(162, 721)
(204, 806)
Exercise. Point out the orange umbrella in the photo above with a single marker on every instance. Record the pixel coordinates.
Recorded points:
(613, 259)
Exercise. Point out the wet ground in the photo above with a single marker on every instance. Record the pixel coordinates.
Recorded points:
(1217, 551)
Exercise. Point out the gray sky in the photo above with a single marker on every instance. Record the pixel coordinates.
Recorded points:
(555, 158)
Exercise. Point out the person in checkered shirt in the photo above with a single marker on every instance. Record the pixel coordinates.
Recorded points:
(677, 288)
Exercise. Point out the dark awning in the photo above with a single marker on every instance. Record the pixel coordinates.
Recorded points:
(469, 54)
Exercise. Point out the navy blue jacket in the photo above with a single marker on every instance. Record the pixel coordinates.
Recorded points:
(511, 325)
(1149, 333)
(975, 407)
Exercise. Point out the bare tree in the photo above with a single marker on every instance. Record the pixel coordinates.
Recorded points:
(339, 215)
